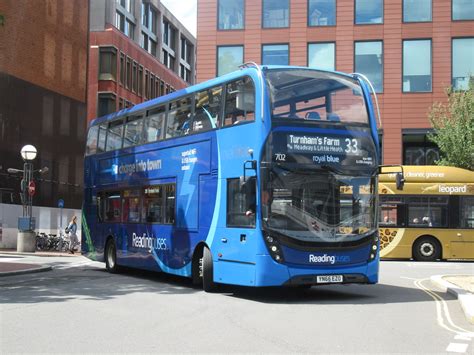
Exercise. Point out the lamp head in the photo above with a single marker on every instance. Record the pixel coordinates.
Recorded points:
(28, 152)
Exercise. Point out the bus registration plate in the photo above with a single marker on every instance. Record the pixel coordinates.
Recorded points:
(329, 279)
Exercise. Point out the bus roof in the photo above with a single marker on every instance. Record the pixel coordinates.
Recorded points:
(429, 173)
(245, 70)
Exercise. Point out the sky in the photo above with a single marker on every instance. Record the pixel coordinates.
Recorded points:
(185, 11)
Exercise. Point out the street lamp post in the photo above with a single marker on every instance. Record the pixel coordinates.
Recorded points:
(26, 236)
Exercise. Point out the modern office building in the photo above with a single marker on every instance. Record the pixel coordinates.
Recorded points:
(43, 73)
(411, 50)
(137, 51)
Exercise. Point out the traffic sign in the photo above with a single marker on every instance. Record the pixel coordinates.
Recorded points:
(60, 203)
(31, 188)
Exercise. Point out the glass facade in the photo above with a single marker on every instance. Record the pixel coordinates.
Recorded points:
(369, 61)
(322, 56)
(417, 66)
(229, 58)
(276, 13)
(416, 10)
(368, 12)
(275, 54)
(321, 12)
(231, 14)
(463, 9)
(463, 62)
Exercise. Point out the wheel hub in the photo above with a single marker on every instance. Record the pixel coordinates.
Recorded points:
(427, 249)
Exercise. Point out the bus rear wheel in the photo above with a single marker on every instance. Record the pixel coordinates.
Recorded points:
(426, 249)
(111, 257)
(208, 283)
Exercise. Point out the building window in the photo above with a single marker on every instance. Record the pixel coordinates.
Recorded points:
(321, 12)
(276, 13)
(140, 80)
(231, 14)
(322, 56)
(418, 149)
(417, 66)
(148, 17)
(463, 62)
(122, 68)
(369, 61)
(126, 4)
(147, 85)
(416, 10)
(128, 83)
(105, 104)
(124, 25)
(463, 10)
(368, 12)
(229, 59)
(169, 35)
(107, 63)
(135, 77)
(275, 54)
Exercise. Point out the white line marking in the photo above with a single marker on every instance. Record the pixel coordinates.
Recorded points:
(462, 337)
(442, 310)
(457, 348)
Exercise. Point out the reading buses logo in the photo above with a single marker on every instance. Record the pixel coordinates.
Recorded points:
(142, 241)
(328, 259)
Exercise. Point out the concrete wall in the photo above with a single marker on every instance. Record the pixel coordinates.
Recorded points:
(47, 221)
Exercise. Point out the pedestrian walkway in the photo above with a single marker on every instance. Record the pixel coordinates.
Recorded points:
(14, 263)
(460, 286)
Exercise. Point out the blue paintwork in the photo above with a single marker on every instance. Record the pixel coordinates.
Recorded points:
(201, 201)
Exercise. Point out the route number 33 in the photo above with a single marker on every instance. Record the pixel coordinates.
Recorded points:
(351, 145)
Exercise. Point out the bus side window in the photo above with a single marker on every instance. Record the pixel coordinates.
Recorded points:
(102, 138)
(467, 212)
(152, 209)
(92, 136)
(154, 124)
(114, 135)
(131, 206)
(133, 131)
(241, 203)
(207, 107)
(239, 102)
(112, 208)
(179, 118)
(98, 203)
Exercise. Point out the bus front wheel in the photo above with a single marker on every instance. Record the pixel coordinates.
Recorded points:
(426, 249)
(208, 283)
(111, 257)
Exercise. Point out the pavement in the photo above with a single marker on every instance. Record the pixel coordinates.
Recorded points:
(460, 286)
(12, 262)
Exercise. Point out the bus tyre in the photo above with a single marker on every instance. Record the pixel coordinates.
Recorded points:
(426, 249)
(111, 257)
(208, 283)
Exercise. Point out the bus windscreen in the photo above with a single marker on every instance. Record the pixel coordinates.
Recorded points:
(314, 95)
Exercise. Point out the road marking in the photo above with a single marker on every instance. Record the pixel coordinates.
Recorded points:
(462, 337)
(442, 310)
(457, 348)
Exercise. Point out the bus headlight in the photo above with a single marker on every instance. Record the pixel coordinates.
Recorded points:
(374, 247)
(274, 248)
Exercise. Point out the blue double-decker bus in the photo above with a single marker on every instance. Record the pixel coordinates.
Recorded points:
(262, 177)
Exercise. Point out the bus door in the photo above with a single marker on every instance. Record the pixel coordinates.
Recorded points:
(236, 244)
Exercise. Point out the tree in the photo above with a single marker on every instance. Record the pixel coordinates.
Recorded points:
(453, 124)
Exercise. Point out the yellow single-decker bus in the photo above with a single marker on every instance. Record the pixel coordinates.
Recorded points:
(431, 218)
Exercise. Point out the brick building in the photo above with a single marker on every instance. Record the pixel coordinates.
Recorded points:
(410, 49)
(138, 51)
(43, 65)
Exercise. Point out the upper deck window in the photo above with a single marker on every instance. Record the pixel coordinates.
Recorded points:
(314, 95)
(239, 101)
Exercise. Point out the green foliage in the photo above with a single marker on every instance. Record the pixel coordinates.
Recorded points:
(453, 124)
(2, 20)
